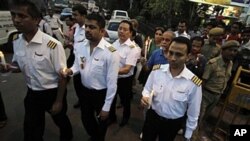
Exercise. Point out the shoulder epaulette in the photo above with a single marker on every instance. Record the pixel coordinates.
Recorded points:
(196, 80)
(156, 67)
(132, 46)
(15, 36)
(111, 48)
(51, 44)
(211, 61)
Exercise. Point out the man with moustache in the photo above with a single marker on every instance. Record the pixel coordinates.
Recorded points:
(79, 13)
(98, 63)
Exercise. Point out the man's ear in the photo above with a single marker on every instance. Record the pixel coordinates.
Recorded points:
(188, 57)
(103, 30)
(37, 20)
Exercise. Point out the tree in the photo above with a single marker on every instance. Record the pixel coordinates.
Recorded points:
(163, 9)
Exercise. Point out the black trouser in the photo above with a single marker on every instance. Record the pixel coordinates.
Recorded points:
(71, 58)
(77, 84)
(124, 90)
(92, 102)
(3, 116)
(36, 103)
(157, 126)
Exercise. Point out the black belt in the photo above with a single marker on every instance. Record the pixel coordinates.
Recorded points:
(163, 118)
(93, 91)
(211, 92)
(42, 91)
(54, 28)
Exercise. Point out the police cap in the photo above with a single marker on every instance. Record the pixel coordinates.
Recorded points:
(216, 31)
(230, 43)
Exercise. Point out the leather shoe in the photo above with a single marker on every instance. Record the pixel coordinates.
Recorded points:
(123, 123)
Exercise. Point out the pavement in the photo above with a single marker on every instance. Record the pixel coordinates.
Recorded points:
(13, 90)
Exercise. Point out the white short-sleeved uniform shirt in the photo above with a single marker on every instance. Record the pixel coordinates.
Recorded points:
(128, 54)
(174, 96)
(79, 35)
(98, 70)
(40, 60)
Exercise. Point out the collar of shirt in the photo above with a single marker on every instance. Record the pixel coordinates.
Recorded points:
(77, 26)
(185, 73)
(83, 27)
(161, 52)
(128, 42)
(102, 44)
(37, 38)
(42, 21)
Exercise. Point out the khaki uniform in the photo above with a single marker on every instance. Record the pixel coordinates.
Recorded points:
(211, 50)
(215, 76)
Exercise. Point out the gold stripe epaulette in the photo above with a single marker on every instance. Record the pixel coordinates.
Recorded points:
(196, 80)
(52, 44)
(131, 46)
(112, 49)
(156, 67)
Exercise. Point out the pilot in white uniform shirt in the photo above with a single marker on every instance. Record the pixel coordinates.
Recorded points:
(98, 70)
(174, 96)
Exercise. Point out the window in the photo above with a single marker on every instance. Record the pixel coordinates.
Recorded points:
(113, 26)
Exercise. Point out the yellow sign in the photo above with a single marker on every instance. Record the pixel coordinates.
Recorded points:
(223, 2)
(213, 2)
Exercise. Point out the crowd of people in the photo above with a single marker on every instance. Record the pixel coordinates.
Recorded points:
(184, 74)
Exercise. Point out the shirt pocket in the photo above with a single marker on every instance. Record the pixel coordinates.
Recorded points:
(123, 59)
(220, 77)
(97, 66)
(40, 62)
(180, 95)
(157, 89)
(21, 58)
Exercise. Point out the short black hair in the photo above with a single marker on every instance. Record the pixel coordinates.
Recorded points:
(81, 9)
(129, 23)
(183, 40)
(100, 20)
(184, 21)
(33, 10)
(198, 38)
(159, 28)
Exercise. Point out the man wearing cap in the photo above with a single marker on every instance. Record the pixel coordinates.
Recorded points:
(212, 48)
(216, 74)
